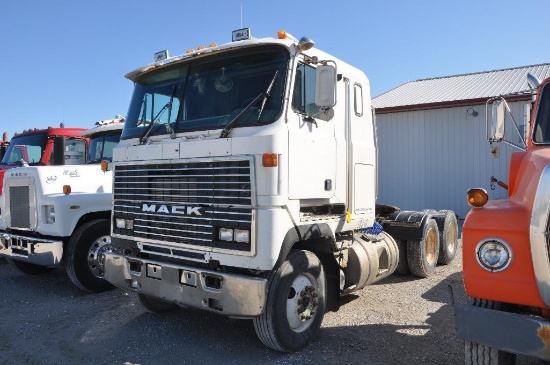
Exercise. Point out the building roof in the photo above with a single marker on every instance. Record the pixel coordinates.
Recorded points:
(459, 88)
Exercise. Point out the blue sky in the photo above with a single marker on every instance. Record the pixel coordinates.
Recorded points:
(65, 60)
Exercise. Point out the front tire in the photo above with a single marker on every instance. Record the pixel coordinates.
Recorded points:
(422, 255)
(477, 354)
(85, 256)
(28, 268)
(295, 303)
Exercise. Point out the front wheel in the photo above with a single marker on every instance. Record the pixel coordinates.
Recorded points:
(28, 268)
(295, 303)
(477, 354)
(85, 256)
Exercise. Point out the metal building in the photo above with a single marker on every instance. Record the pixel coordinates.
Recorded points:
(432, 137)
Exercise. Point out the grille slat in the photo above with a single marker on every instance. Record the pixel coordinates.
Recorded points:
(20, 207)
(185, 203)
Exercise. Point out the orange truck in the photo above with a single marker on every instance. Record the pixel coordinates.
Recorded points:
(506, 248)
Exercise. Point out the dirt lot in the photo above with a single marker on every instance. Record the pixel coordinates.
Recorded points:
(401, 320)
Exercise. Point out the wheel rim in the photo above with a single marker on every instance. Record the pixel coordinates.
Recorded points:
(451, 238)
(301, 302)
(431, 245)
(96, 255)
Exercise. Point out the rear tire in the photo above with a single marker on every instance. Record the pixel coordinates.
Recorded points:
(154, 305)
(295, 303)
(476, 354)
(422, 255)
(448, 237)
(402, 265)
(85, 256)
(28, 268)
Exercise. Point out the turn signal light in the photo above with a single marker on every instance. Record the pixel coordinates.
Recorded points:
(477, 197)
(104, 165)
(66, 189)
(270, 160)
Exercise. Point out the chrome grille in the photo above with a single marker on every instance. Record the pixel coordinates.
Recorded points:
(20, 207)
(184, 203)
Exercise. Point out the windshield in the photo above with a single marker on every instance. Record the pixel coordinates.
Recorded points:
(101, 147)
(27, 148)
(207, 93)
(541, 132)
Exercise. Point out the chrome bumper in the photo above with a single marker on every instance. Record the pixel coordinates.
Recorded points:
(34, 250)
(223, 293)
(515, 333)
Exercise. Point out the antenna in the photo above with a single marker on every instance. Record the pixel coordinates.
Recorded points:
(241, 14)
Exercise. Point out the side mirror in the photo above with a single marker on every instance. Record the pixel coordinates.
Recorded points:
(325, 86)
(499, 115)
(59, 151)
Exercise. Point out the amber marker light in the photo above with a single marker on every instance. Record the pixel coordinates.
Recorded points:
(281, 34)
(213, 44)
(477, 197)
(200, 48)
(190, 51)
(270, 160)
(66, 189)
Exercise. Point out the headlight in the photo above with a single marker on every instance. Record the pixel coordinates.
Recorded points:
(49, 213)
(242, 235)
(226, 234)
(494, 255)
(122, 223)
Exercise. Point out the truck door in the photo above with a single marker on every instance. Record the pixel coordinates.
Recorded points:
(312, 146)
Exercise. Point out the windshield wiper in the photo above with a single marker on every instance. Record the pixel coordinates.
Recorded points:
(168, 105)
(263, 96)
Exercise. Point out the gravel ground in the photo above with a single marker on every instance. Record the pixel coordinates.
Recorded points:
(400, 320)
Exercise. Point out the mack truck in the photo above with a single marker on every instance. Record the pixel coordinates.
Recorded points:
(506, 246)
(245, 184)
(60, 215)
(35, 147)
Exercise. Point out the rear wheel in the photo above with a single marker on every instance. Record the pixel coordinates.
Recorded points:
(85, 256)
(28, 268)
(422, 255)
(295, 303)
(476, 354)
(402, 265)
(448, 236)
(154, 305)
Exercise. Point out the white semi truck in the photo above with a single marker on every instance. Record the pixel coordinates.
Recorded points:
(245, 184)
(54, 215)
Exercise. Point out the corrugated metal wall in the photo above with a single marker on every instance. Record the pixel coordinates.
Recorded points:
(430, 158)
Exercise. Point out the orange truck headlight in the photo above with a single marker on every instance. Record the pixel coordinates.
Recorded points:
(477, 197)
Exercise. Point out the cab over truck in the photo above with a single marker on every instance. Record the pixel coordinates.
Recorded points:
(506, 249)
(35, 147)
(245, 182)
(53, 215)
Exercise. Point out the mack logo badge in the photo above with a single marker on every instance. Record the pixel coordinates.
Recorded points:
(71, 173)
(174, 209)
(51, 179)
(18, 174)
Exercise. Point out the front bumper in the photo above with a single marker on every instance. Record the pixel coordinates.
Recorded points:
(515, 333)
(223, 293)
(33, 250)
